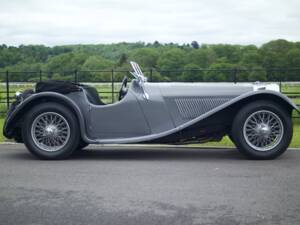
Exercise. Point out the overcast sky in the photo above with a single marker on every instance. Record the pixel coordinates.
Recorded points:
(62, 22)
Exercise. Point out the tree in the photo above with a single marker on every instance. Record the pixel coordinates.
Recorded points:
(156, 44)
(231, 53)
(66, 62)
(192, 73)
(293, 58)
(274, 53)
(195, 44)
(293, 61)
(146, 57)
(171, 60)
(96, 63)
(220, 72)
(280, 46)
(251, 58)
(123, 59)
(201, 57)
(257, 74)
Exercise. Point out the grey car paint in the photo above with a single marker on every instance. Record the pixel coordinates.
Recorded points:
(167, 109)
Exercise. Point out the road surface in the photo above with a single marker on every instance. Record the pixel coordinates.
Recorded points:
(148, 185)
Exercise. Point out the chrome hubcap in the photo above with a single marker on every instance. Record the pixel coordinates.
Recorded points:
(50, 131)
(263, 130)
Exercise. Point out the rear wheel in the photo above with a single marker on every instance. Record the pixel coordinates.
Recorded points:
(262, 130)
(50, 131)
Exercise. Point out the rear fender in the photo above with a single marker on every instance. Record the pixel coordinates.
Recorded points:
(16, 116)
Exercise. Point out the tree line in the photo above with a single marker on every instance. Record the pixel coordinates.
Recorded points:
(275, 60)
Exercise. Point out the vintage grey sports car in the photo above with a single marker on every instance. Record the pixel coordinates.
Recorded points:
(59, 117)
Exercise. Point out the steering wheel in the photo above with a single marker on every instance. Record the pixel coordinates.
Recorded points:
(124, 89)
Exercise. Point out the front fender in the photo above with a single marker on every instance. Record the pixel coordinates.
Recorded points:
(245, 98)
(268, 94)
(17, 114)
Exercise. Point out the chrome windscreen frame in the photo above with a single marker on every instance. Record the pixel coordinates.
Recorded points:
(138, 74)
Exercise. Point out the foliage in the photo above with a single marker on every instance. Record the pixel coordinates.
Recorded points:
(192, 73)
(60, 62)
(146, 57)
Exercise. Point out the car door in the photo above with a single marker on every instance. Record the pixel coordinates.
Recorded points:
(155, 109)
(123, 119)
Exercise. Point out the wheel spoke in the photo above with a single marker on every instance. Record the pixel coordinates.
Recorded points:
(263, 130)
(50, 131)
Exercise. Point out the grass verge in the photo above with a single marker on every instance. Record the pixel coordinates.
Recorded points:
(1, 127)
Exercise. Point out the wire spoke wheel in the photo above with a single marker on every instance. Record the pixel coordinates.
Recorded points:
(50, 131)
(263, 130)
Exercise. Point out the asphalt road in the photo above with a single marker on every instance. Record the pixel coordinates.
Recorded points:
(139, 185)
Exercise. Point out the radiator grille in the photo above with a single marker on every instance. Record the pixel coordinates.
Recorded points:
(190, 108)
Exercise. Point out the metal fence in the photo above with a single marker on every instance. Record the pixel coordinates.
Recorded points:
(108, 81)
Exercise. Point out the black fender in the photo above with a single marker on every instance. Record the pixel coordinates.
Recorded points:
(17, 114)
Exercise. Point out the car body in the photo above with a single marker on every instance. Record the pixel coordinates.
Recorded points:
(172, 113)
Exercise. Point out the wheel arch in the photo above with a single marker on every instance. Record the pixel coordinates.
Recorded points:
(279, 99)
(232, 108)
(13, 123)
(274, 97)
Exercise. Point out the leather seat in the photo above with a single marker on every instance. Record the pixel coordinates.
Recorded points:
(92, 95)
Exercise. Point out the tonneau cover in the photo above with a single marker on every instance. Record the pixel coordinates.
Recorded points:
(63, 87)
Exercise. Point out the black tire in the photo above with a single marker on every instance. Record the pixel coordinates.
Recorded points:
(241, 118)
(18, 136)
(74, 136)
(231, 137)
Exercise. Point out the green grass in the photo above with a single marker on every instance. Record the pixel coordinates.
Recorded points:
(290, 88)
(1, 127)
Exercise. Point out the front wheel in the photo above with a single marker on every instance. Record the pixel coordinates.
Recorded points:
(262, 130)
(50, 131)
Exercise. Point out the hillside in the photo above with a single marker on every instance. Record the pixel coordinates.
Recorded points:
(274, 54)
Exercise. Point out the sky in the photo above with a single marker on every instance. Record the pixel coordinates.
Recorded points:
(64, 22)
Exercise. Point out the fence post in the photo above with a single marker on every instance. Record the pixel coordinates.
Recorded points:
(40, 75)
(7, 89)
(75, 76)
(234, 75)
(112, 86)
(280, 85)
